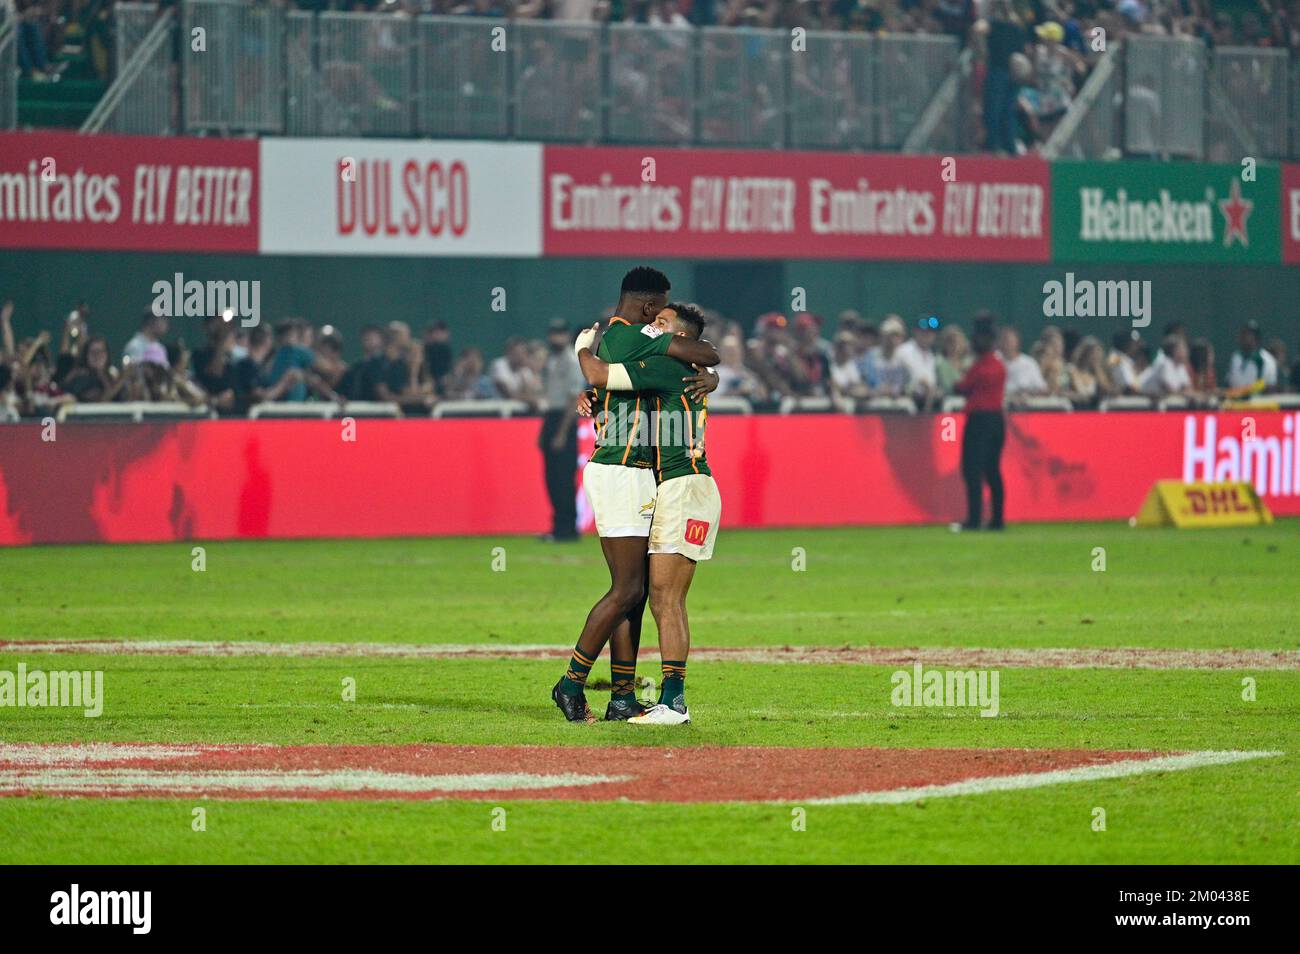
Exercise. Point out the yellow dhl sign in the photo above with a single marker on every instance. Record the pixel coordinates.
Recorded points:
(1172, 503)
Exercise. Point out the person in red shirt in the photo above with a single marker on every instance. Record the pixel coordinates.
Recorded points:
(986, 429)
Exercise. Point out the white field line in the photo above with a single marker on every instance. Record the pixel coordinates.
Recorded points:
(117, 780)
(36, 753)
(960, 657)
(1010, 783)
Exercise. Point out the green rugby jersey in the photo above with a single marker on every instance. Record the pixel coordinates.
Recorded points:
(677, 422)
(622, 416)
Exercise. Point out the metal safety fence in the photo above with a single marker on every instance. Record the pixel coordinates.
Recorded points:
(131, 24)
(1164, 96)
(1093, 128)
(1254, 83)
(232, 66)
(264, 69)
(141, 101)
(244, 68)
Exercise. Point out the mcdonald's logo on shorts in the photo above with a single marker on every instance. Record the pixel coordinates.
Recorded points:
(697, 531)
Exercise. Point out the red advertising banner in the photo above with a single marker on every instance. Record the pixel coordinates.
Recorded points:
(128, 193)
(253, 479)
(751, 204)
(1291, 214)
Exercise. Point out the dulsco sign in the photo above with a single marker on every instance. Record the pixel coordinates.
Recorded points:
(1165, 212)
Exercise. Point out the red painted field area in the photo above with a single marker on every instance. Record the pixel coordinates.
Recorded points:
(706, 774)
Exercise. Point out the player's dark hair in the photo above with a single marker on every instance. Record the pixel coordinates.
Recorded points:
(983, 337)
(691, 316)
(644, 281)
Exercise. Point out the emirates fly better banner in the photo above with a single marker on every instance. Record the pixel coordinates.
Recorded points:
(128, 193)
(750, 204)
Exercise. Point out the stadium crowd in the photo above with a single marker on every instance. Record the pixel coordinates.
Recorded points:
(234, 368)
(1030, 56)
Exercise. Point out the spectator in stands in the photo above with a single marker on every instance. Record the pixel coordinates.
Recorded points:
(1168, 374)
(953, 358)
(146, 346)
(40, 394)
(1121, 362)
(467, 381)
(437, 353)
(955, 17)
(230, 382)
(1003, 36)
(1057, 70)
(734, 379)
(1049, 352)
(1024, 377)
(177, 383)
(1250, 365)
(772, 356)
(513, 374)
(94, 379)
(1277, 348)
(292, 360)
(917, 355)
(10, 408)
(33, 57)
(814, 352)
(885, 371)
(1201, 367)
(403, 379)
(7, 351)
(845, 376)
(75, 332)
(362, 379)
(1090, 382)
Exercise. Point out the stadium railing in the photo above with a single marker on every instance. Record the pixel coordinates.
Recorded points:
(1164, 96)
(139, 101)
(323, 409)
(724, 404)
(1092, 129)
(1044, 402)
(267, 70)
(136, 411)
(1126, 402)
(890, 405)
(8, 73)
(481, 409)
(1255, 85)
(232, 75)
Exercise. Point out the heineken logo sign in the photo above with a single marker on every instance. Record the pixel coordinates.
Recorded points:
(1120, 218)
(1164, 213)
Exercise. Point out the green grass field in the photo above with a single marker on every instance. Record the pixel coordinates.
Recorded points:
(1033, 586)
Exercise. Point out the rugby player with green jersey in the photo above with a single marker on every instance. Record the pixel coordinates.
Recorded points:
(688, 508)
(620, 484)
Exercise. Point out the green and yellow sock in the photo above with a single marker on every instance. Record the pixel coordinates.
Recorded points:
(623, 676)
(575, 677)
(674, 684)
